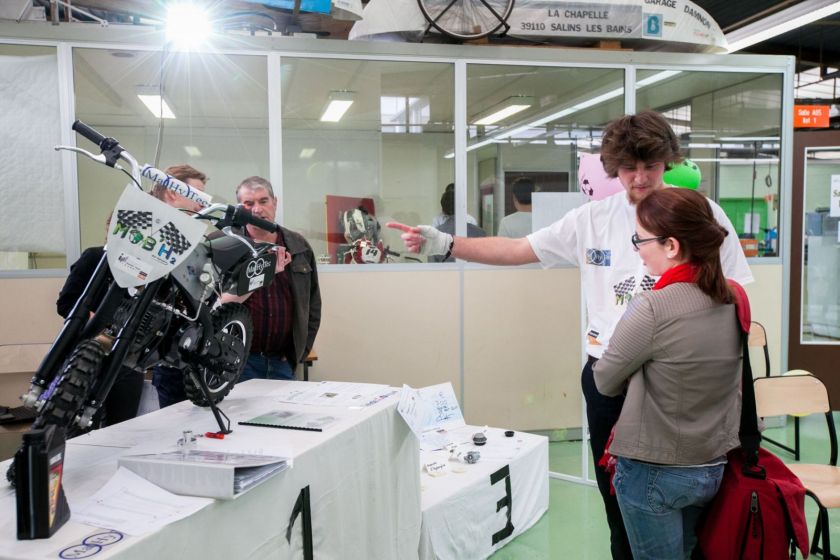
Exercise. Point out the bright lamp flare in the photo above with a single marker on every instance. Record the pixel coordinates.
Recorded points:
(187, 25)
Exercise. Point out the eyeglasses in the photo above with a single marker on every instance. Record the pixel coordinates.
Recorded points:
(636, 240)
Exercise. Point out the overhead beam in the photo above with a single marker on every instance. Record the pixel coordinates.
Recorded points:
(781, 22)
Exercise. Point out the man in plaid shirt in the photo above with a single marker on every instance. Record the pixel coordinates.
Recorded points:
(287, 313)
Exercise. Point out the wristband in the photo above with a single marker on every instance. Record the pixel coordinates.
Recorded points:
(449, 251)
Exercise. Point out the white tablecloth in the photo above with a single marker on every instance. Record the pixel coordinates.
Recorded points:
(362, 472)
(465, 512)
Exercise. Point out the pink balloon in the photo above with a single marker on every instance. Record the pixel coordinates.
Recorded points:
(593, 180)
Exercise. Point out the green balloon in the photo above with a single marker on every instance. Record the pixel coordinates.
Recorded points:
(685, 175)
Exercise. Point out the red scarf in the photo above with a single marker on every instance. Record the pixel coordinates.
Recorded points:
(685, 272)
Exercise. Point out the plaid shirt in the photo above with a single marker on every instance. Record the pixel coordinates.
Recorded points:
(271, 313)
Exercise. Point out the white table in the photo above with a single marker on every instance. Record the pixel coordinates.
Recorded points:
(362, 474)
(471, 514)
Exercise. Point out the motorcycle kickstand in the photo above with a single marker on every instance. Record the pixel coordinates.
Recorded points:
(217, 413)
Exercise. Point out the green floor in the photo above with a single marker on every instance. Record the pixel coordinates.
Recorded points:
(575, 526)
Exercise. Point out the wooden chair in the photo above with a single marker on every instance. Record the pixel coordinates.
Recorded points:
(803, 395)
(758, 339)
(307, 363)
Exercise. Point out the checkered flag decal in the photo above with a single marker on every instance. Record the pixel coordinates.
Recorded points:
(647, 283)
(171, 235)
(135, 219)
(625, 287)
(624, 291)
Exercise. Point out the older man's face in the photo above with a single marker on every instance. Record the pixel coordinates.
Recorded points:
(259, 202)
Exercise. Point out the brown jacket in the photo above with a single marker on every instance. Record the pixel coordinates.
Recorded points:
(678, 355)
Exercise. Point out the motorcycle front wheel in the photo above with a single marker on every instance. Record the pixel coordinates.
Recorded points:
(70, 392)
(232, 327)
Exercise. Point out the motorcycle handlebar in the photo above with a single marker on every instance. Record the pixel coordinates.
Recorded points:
(89, 133)
(242, 217)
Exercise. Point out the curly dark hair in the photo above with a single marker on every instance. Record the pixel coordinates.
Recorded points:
(643, 137)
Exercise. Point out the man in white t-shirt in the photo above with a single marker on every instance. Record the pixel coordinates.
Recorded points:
(518, 224)
(596, 237)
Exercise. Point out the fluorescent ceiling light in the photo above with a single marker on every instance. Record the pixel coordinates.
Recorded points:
(658, 77)
(510, 106)
(749, 138)
(735, 161)
(192, 151)
(337, 105)
(306, 153)
(501, 135)
(155, 103)
(187, 25)
(827, 154)
(786, 20)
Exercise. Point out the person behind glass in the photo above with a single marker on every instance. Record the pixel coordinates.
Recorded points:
(169, 381)
(518, 224)
(676, 355)
(124, 397)
(443, 216)
(447, 207)
(637, 149)
(287, 313)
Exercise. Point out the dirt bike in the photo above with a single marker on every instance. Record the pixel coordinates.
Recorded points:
(153, 300)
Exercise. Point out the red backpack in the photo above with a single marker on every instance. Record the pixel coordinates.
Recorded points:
(759, 511)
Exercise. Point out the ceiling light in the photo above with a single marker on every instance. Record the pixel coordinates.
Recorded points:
(658, 77)
(187, 25)
(151, 98)
(192, 151)
(337, 105)
(786, 20)
(508, 107)
(306, 153)
(827, 154)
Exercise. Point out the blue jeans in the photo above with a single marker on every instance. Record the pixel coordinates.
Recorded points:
(169, 383)
(661, 504)
(260, 366)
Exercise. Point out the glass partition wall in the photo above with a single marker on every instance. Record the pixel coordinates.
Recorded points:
(369, 138)
(730, 125)
(29, 121)
(821, 240)
(364, 143)
(218, 126)
(530, 122)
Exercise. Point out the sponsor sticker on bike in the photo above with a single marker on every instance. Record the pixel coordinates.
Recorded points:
(147, 238)
(258, 272)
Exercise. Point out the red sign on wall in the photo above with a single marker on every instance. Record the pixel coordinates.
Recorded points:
(810, 116)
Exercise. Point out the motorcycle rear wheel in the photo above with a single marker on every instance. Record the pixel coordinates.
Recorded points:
(233, 319)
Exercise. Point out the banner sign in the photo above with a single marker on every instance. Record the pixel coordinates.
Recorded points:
(811, 116)
(670, 21)
(578, 19)
(148, 238)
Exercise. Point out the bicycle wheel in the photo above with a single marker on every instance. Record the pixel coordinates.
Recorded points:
(466, 19)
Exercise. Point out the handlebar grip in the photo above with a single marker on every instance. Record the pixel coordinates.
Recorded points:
(246, 217)
(89, 133)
